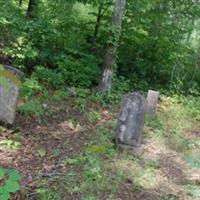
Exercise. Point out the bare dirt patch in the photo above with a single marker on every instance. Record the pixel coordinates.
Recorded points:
(173, 169)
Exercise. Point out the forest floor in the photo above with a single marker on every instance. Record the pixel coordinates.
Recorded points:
(70, 155)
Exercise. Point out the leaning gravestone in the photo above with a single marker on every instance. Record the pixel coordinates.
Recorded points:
(152, 101)
(9, 91)
(131, 122)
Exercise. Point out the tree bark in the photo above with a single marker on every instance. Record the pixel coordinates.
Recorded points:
(98, 22)
(20, 2)
(111, 49)
(32, 7)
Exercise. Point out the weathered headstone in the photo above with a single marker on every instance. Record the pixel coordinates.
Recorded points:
(131, 122)
(152, 101)
(9, 91)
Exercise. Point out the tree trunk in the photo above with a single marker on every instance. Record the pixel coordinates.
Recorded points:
(111, 49)
(20, 2)
(32, 7)
(98, 22)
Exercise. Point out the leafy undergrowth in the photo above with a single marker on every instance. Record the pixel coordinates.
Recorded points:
(64, 150)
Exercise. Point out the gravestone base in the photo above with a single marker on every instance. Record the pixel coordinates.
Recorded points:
(133, 150)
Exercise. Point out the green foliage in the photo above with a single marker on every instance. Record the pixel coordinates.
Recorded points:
(81, 99)
(48, 194)
(192, 190)
(49, 77)
(71, 161)
(82, 92)
(155, 49)
(120, 87)
(59, 95)
(153, 164)
(81, 72)
(41, 152)
(9, 144)
(192, 159)
(90, 198)
(97, 149)
(8, 183)
(192, 107)
(33, 107)
(81, 103)
(93, 170)
(30, 87)
(177, 115)
(94, 116)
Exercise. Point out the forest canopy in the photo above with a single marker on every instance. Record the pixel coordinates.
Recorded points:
(63, 43)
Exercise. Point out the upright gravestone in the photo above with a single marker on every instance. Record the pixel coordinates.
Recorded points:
(9, 91)
(152, 101)
(131, 122)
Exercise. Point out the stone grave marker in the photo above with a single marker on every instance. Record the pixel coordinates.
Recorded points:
(131, 122)
(9, 91)
(152, 101)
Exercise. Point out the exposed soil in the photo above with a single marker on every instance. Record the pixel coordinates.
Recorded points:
(172, 169)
